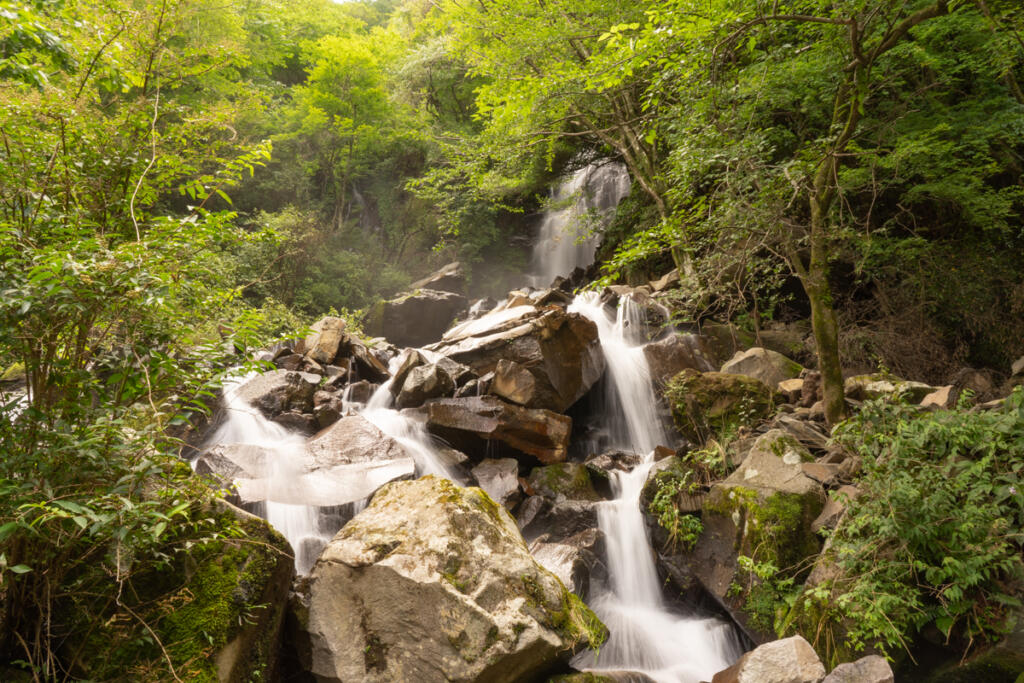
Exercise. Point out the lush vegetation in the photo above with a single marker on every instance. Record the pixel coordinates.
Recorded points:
(181, 180)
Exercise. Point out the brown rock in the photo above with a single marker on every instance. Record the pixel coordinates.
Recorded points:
(326, 340)
(670, 356)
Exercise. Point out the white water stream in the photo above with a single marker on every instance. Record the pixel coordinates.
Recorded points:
(570, 230)
(644, 634)
(282, 468)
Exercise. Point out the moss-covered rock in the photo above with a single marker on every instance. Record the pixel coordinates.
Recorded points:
(433, 581)
(764, 512)
(563, 481)
(878, 385)
(711, 403)
(217, 615)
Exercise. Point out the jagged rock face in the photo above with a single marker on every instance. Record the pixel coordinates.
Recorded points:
(771, 367)
(790, 660)
(467, 422)
(279, 391)
(764, 510)
(549, 358)
(433, 582)
(414, 319)
(424, 382)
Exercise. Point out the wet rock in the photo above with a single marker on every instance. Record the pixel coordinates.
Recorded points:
(414, 319)
(865, 387)
(227, 462)
(328, 409)
(790, 660)
(560, 350)
(360, 392)
(409, 359)
(621, 461)
(327, 339)
(277, 391)
(449, 278)
(540, 516)
(422, 383)
(704, 404)
(677, 352)
(870, 669)
(500, 479)
(293, 420)
(573, 560)
(540, 433)
(433, 582)
(771, 367)
(563, 481)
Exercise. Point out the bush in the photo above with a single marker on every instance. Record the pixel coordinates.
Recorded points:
(935, 538)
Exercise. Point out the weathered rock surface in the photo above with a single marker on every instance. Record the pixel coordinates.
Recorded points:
(463, 422)
(870, 669)
(433, 582)
(670, 356)
(422, 383)
(771, 367)
(573, 560)
(559, 350)
(763, 510)
(326, 340)
(790, 660)
(500, 479)
(414, 319)
(864, 387)
(563, 481)
(279, 390)
(448, 278)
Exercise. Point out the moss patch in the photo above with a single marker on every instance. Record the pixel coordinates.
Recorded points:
(567, 480)
(710, 404)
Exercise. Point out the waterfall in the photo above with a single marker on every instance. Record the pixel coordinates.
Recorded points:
(286, 472)
(644, 635)
(569, 231)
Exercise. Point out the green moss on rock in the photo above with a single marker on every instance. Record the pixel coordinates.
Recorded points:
(564, 480)
(709, 404)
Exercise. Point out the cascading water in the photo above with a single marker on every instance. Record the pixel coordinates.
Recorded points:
(568, 235)
(644, 635)
(285, 472)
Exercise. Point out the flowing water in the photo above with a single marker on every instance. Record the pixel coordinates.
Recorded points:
(570, 230)
(644, 634)
(285, 474)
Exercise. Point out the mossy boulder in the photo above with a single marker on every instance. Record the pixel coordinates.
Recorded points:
(705, 404)
(762, 511)
(218, 614)
(879, 385)
(771, 367)
(563, 481)
(433, 582)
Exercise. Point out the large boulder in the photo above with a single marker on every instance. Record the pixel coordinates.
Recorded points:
(327, 339)
(790, 660)
(677, 352)
(549, 358)
(414, 319)
(708, 403)
(563, 481)
(279, 391)
(500, 479)
(432, 582)
(449, 278)
(771, 367)
(764, 510)
(468, 422)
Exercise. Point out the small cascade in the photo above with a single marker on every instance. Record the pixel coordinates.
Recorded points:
(286, 476)
(644, 635)
(569, 231)
(284, 465)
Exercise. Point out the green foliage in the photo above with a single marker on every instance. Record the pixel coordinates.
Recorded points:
(683, 529)
(934, 538)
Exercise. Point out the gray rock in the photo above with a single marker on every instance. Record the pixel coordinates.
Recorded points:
(465, 421)
(670, 356)
(422, 383)
(771, 367)
(500, 479)
(432, 582)
(870, 669)
(414, 319)
(449, 278)
(790, 660)
(573, 560)
(864, 387)
(280, 390)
